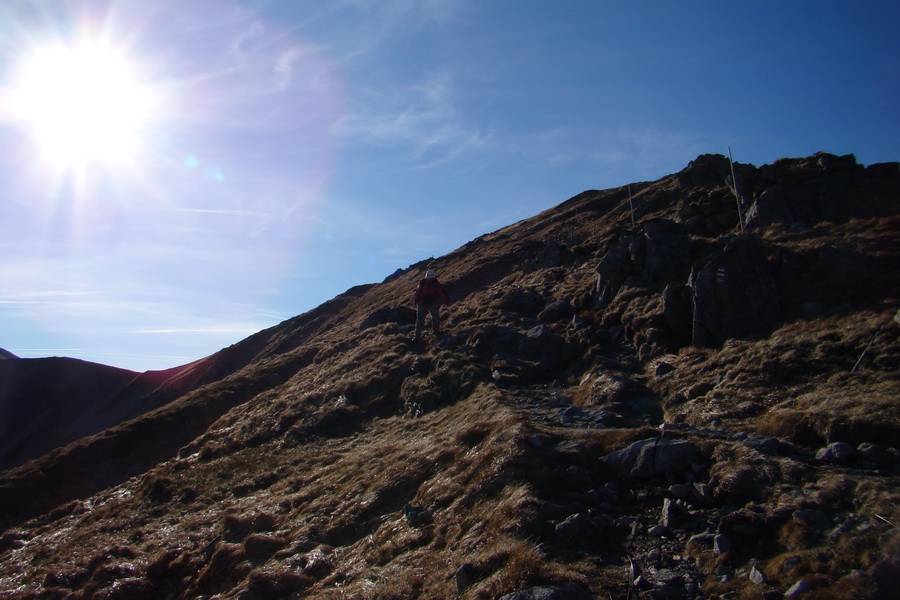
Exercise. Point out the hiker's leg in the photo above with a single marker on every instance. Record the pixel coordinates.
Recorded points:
(420, 320)
(436, 318)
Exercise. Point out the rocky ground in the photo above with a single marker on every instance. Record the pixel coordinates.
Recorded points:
(676, 410)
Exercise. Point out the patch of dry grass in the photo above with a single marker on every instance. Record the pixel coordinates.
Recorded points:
(799, 383)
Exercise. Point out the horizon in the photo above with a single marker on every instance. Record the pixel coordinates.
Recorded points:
(181, 177)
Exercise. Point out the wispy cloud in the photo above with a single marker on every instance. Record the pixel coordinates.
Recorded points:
(423, 117)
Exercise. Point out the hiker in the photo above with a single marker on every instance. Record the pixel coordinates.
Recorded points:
(429, 296)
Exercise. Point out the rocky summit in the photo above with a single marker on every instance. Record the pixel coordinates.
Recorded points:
(685, 388)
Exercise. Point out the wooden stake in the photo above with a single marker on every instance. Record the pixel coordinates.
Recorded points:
(631, 205)
(734, 189)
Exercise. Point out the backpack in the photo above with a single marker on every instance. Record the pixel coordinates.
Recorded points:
(428, 291)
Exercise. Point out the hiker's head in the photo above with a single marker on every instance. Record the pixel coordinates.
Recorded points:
(430, 274)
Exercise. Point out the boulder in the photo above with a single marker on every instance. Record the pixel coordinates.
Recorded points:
(567, 591)
(612, 271)
(768, 208)
(734, 293)
(667, 249)
(875, 454)
(836, 452)
(653, 456)
(798, 589)
(399, 315)
(523, 301)
(707, 170)
(556, 311)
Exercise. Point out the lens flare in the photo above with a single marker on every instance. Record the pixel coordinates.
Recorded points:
(82, 103)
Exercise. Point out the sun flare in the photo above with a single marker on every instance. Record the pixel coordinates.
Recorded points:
(82, 104)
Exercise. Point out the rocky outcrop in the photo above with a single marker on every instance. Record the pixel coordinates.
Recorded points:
(654, 456)
(733, 293)
(560, 441)
(659, 251)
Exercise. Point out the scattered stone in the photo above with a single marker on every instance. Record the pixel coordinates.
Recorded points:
(670, 512)
(703, 492)
(556, 311)
(568, 591)
(577, 527)
(659, 531)
(653, 456)
(663, 368)
(801, 587)
(876, 454)
(766, 445)
(721, 544)
(757, 576)
(836, 452)
(316, 563)
(417, 516)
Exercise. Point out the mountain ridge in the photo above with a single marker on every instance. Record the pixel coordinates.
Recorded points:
(572, 334)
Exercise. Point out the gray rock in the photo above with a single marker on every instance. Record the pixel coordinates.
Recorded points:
(653, 456)
(721, 544)
(703, 492)
(875, 453)
(556, 311)
(757, 576)
(734, 293)
(577, 527)
(417, 516)
(801, 587)
(769, 207)
(663, 369)
(612, 271)
(836, 452)
(659, 531)
(568, 591)
(766, 445)
(670, 513)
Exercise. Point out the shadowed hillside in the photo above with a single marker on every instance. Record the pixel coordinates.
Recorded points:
(642, 392)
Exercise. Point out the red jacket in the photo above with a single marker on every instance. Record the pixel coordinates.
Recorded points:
(430, 290)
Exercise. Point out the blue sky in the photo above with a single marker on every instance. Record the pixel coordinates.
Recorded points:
(175, 176)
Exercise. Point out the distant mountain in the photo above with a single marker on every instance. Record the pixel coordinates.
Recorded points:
(655, 390)
(6, 354)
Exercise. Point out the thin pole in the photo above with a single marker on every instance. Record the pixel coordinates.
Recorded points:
(631, 205)
(737, 196)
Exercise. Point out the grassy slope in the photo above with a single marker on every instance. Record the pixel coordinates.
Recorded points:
(323, 436)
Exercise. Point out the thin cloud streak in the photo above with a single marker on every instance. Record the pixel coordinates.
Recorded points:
(423, 117)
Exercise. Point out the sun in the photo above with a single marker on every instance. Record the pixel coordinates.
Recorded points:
(82, 104)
